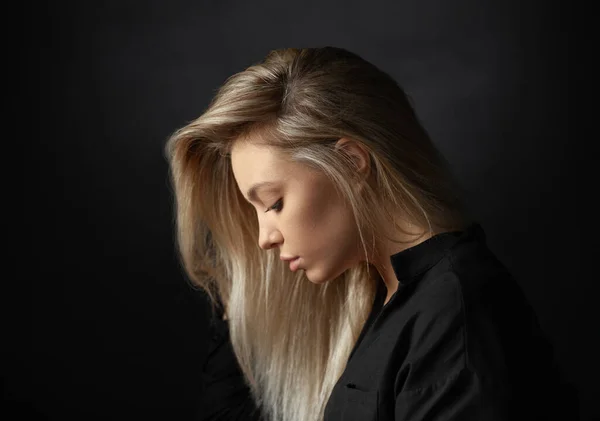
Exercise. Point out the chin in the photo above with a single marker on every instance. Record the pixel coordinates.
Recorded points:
(317, 278)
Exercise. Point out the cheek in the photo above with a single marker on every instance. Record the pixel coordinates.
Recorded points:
(306, 219)
(331, 240)
(320, 227)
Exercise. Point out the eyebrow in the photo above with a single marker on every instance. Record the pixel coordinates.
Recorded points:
(252, 190)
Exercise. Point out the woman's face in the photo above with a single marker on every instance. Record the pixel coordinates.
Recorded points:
(298, 211)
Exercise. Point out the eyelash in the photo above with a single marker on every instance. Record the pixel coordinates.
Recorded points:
(276, 206)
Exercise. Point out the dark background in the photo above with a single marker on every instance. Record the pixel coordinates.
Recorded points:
(110, 330)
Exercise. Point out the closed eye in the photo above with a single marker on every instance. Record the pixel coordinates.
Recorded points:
(276, 206)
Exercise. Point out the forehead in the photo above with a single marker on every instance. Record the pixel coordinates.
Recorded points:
(250, 161)
(256, 163)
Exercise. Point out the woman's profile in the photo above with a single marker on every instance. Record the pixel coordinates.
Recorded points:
(349, 280)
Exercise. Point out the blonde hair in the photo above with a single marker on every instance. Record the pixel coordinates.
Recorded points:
(292, 338)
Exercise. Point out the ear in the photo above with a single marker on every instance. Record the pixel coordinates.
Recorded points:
(357, 153)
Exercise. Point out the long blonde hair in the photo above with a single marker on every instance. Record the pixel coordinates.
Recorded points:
(291, 337)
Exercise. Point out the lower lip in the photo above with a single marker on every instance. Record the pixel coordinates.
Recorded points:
(294, 264)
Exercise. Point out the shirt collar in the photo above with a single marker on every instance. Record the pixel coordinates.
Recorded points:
(413, 261)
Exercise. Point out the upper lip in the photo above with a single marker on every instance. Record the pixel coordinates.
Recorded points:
(286, 258)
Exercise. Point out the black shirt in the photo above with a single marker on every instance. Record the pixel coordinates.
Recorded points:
(457, 341)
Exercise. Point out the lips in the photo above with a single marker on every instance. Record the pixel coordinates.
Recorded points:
(294, 264)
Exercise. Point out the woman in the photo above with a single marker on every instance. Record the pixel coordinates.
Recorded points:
(349, 280)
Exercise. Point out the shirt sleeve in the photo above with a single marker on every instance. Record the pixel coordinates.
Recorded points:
(225, 396)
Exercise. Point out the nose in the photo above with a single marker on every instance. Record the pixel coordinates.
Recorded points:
(269, 237)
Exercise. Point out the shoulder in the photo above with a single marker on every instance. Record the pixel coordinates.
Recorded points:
(469, 289)
(457, 316)
(437, 306)
(473, 329)
(470, 312)
(434, 327)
